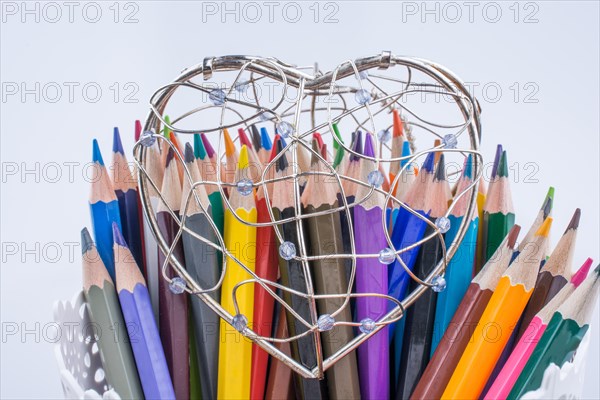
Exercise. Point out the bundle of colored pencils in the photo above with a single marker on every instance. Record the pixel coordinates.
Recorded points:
(501, 313)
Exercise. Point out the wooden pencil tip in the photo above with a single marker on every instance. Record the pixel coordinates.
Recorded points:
(429, 163)
(550, 194)
(357, 147)
(244, 138)
(316, 151)
(243, 158)
(582, 272)
(547, 207)
(117, 145)
(229, 146)
(544, 230)
(274, 148)
(138, 130)
(398, 128)
(496, 160)
(118, 236)
(440, 170)
(86, 241)
(265, 139)
(503, 166)
(574, 224)
(96, 154)
(282, 162)
(210, 151)
(319, 139)
(405, 153)
(166, 130)
(512, 236)
(189, 153)
(170, 156)
(468, 170)
(336, 131)
(255, 137)
(369, 151)
(199, 150)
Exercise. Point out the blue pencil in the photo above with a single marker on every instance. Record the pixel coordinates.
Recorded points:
(407, 177)
(126, 190)
(460, 268)
(104, 208)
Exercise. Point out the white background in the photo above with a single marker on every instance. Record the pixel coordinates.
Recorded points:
(553, 58)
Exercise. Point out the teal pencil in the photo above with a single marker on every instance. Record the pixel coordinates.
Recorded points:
(460, 268)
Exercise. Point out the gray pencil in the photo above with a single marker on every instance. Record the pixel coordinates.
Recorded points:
(201, 261)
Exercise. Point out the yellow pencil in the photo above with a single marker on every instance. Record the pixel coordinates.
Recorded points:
(235, 351)
(498, 320)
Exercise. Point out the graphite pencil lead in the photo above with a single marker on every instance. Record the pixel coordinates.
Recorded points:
(86, 241)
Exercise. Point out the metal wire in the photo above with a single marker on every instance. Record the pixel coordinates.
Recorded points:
(310, 88)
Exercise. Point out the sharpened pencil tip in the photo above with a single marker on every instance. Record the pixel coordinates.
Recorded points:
(405, 153)
(503, 166)
(117, 145)
(210, 151)
(357, 146)
(336, 131)
(138, 129)
(243, 158)
(496, 160)
(547, 208)
(468, 171)
(265, 139)
(118, 236)
(398, 128)
(513, 234)
(574, 224)
(189, 153)
(170, 156)
(244, 138)
(282, 162)
(429, 163)
(550, 193)
(199, 150)
(369, 151)
(96, 154)
(440, 169)
(316, 151)
(339, 156)
(86, 241)
(229, 146)
(255, 137)
(319, 139)
(274, 150)
(544, 230)
(582, 272)
(166, 130)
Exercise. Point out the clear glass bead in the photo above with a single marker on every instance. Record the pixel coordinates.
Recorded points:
(241, 86)
(217, 97)
(147, 138)
(443, 224)
(363, 74)
(177, 285)
(239, 322)
(287, 250)
(367, 325)
(375, 178)
(384, 135)
(386, 256)
(438, 284)
(362, 96)
(325, 322)
(266, 116)
(284, 129)
(450, 141)
(244, 186)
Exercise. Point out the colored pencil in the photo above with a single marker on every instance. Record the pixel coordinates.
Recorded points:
(105, 312)
(502, 312)
(371, 277)
(416, 344)
(204, 154)
(481, 195)
(499, 209)
(555, 273)
(485, 216)
(143, 266)
(397, 144)
(533, 332)
(231, 159)
(173, 308)
(202, 263)
(562, 336)
(155, 173)
(255, 165)
(455, 339)
(460, 268)
(280, 385)
(141, 326)
(235, 351)
(126, 190)
(339, 161)
(329, 275)
(293, 275)
(266, 268)
(104, 208)
(265, 146)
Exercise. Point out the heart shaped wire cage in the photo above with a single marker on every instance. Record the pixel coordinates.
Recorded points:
(230, 92)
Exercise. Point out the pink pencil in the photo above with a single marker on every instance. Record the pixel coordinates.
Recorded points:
(522, 351)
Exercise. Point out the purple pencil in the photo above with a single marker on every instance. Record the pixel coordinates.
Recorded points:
(141, 326)
(371, 277)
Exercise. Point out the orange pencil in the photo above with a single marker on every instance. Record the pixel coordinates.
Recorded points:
(497, 321)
